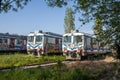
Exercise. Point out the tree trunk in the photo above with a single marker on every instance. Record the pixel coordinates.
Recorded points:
(118, 51)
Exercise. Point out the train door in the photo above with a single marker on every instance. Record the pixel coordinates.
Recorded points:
(0, 44)
(60, 44)
(88, 45)
(4, 44)
(46, 44)
(24, 44)
(18, 44)
(56, 45)
(95, 45)
(0, 41)
(12, 43)
(91, 44)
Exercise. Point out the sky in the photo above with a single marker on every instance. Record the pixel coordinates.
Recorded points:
(36, 15)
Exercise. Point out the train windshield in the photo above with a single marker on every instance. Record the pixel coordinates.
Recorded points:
(67, 39)
(30, 38)
(38, 39)
(77, 39)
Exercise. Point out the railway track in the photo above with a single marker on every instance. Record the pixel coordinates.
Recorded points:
(32, 66)
(44, 65)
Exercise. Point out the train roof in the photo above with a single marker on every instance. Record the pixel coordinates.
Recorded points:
(45, 33)
(79, 33)
(51, 33)
(7, 35)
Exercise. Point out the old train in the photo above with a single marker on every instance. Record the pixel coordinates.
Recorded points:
(42, 43)
(12, 42)
(77, 44)
(73, 45)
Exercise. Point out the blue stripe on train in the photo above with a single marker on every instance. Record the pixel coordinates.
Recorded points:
(91, 48)
(18, 47)
(34, 46)
(96, 49)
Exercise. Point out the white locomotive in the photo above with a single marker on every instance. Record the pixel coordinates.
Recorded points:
(78, 44)
(44, 42)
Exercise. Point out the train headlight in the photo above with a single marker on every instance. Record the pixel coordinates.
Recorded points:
(28, 48)
(39, 48)
(65, 49)
(78, 49)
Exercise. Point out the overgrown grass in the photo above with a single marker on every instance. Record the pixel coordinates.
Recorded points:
(46, 73)
(92, 71)
(15, 60)
(62, 72)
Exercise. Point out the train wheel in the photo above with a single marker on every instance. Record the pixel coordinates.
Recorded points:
(73, 55)
(79, 57)
(38, 54)
(68, 56)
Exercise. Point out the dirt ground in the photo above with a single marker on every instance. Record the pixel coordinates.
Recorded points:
(107, 60)
(108, 68)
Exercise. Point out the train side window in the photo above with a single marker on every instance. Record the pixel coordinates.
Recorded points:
(51, 40)
(60, 41)
(0, 41)
(19, 41)
(94, 41)
(56, 41)
(24, 42)
(5, 41)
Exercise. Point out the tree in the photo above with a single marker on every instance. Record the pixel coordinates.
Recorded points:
(7, 5)
(99, 32)
(97, 28)
(108, 11)
(69, 21)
